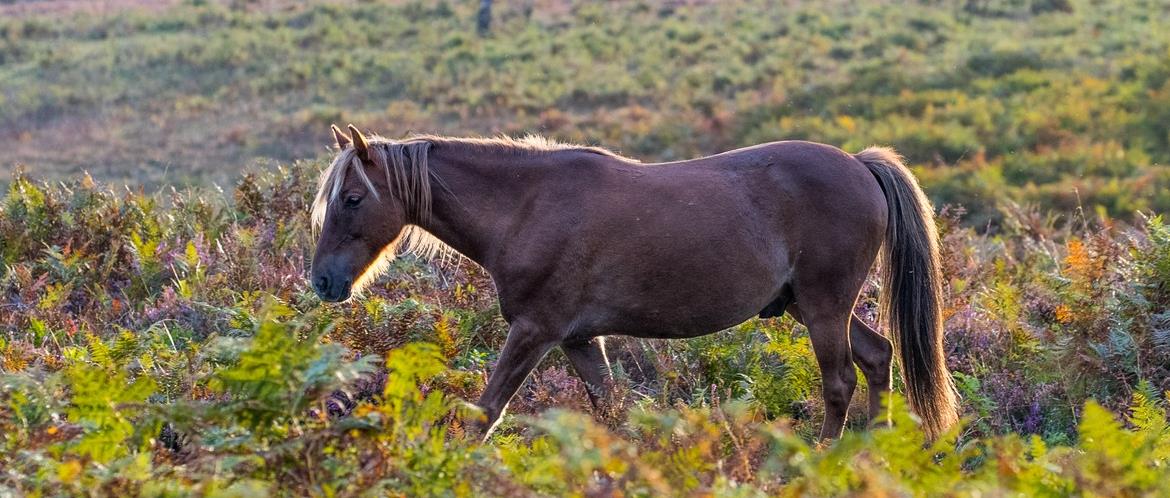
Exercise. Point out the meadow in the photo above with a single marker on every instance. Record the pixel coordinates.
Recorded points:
(1042, 102)
(163, 341)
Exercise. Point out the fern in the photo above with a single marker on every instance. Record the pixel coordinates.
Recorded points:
(104, 404)
(276, 375)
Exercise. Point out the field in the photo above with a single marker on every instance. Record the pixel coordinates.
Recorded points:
(162, 341)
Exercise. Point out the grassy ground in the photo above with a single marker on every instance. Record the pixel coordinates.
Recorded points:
(992, 100)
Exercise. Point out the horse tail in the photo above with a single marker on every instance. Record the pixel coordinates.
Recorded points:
(912, 291)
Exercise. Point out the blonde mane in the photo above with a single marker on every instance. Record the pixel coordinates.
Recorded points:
(405, 166)
(528, 144)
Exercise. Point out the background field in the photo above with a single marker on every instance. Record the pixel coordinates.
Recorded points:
(158, 341)
(991, 99)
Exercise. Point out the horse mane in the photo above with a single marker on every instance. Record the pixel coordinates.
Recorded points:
(405, 164)
(526, 145)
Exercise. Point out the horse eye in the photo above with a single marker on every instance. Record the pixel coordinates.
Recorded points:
(353, 200)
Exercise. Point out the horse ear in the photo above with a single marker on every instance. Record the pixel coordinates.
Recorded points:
(359, 142)
(342, 140)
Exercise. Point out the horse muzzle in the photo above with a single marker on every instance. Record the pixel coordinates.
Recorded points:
(331, 289)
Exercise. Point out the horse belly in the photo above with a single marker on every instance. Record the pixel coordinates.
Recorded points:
(687, 254)
(690, 299)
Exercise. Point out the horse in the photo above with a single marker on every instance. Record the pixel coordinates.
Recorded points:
(582, 243)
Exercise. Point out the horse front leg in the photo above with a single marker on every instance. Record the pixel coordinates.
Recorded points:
(592, 366)
(525, 347)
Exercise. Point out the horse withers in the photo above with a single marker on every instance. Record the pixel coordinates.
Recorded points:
(582, 243)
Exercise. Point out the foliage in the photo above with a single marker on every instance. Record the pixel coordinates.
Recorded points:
(1057, 103)
(168, 345)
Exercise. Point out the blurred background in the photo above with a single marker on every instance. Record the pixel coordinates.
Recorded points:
(1050, 103)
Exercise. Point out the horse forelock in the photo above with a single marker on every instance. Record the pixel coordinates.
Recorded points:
(406, 170)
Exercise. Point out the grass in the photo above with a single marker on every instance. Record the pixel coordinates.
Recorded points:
(991, 100)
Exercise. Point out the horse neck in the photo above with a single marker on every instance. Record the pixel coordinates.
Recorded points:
(478, 195)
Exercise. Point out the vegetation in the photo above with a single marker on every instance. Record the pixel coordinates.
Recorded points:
(1044, 102)
(166, 344)
(169, 345)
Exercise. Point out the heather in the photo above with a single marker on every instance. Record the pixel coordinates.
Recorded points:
(167, 344)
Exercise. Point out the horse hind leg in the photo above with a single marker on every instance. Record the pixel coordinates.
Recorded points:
(828, 330)
(873, 354)
(830, 340)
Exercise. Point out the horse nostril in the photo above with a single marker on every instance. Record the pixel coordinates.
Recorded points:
(321, 284)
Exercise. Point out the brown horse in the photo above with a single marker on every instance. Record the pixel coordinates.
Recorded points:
(582, 243)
